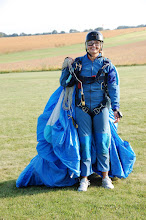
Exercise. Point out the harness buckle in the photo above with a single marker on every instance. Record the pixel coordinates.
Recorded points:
(98, 109)
(85, 109)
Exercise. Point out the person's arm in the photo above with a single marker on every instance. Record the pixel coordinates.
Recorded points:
(66, 78)
(114, 92)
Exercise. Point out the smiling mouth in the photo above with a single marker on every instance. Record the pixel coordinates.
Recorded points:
(94, 49)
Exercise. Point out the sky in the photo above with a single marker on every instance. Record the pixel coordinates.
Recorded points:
(40, 16)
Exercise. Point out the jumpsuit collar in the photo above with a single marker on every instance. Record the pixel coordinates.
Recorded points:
(99, 56)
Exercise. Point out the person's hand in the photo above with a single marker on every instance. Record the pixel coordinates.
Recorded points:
(117, 116)
(68, 61)
(71, 60)
(77, 66)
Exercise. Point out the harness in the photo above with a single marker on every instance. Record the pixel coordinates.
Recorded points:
(89, 80)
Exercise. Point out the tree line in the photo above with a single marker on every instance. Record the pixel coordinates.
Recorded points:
(63, 32)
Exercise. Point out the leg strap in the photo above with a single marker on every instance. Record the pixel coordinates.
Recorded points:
(95, 111)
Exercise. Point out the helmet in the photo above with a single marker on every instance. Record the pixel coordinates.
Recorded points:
(94, 35)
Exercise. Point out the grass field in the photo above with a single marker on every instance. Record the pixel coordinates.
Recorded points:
(123, 47)
(23, 97)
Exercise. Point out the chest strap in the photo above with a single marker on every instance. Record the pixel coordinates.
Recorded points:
(100, 79)
(91, 79)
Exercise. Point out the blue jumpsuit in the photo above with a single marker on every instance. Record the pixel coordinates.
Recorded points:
(96, 127)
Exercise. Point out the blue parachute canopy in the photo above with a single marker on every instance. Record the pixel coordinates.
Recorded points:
(58, 161)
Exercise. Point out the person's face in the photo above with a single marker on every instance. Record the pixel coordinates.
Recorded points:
(94, 47)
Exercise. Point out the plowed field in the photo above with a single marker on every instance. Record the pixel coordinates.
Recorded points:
(130, 52)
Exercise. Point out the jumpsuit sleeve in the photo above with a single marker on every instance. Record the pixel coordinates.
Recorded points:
(113, 87)
(66, 78)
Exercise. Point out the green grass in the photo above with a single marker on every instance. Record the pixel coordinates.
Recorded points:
(125, 39)
(41, 53)
(65, 50)
(23, 97)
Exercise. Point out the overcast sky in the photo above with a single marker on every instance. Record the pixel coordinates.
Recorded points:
(38, 16)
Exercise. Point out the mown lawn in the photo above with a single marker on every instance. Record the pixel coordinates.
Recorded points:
(23, 97)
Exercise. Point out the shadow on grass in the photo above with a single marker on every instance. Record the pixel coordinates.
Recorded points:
(9, 189)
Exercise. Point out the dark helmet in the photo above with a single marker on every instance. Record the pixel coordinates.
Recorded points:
(94, 35)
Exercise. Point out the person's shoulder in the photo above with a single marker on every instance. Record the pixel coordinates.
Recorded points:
(81, 58)
(106, 60)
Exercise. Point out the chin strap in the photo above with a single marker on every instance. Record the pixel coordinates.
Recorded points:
(89, 54)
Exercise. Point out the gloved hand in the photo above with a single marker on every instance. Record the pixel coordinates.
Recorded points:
(118, 115)
(77, 66)
(67, 62)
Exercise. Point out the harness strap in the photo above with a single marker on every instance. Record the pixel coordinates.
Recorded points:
(97, 77)
(90, 80)
(95, 111)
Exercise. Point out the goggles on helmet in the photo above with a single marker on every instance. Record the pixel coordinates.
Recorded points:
(93, 42)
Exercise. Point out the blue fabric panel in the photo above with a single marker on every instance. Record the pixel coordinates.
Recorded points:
(102, 143)
(45, 150)
(103, 163)
(125, 153)
(85, 147)
(57, 162)
(86, 167)
(48, 133)
(27, 177)
(42, 172)
(113, 75)
(66, 143)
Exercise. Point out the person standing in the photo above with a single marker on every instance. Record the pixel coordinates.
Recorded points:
(97, 88)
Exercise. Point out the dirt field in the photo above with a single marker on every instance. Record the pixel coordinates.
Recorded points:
(13, 44)
(128, 54)
(134, 53)
(121, 55)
